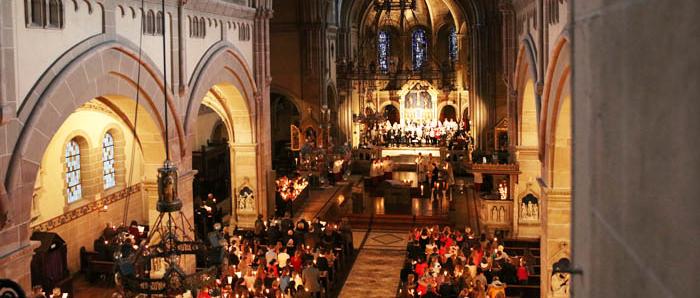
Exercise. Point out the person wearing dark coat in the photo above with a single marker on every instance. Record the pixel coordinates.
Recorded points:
(323, 264)
(447, 289)
(311, 279)
(407, 269)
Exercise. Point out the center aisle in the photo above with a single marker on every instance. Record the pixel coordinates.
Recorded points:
(377, 268)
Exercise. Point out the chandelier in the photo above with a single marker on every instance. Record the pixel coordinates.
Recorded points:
(154, 266)
(390, 5)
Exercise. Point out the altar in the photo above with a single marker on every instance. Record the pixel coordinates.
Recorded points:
(418, 102)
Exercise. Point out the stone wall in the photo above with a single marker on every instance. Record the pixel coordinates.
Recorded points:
(80, 228)
(105, 60)
(635, 101)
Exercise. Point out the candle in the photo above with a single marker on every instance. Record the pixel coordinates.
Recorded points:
(230, 279)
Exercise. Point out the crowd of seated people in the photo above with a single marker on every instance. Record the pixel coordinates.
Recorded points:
(279, 258)
(116, 240)
(447, 263)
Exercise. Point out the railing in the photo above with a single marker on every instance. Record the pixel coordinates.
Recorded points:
(495, 214)
(495, 167)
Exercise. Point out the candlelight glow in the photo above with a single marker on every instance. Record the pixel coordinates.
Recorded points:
(291, 188)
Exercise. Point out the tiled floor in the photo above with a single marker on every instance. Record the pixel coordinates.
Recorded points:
(375, 271)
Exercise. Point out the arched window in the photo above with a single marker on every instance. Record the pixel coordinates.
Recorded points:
(74, 188)
(44, 13)
(55, 14)
(159, 23)
(420, 48)
(108, 172)
(203, 27)
(189, 22)
(149, 27)
(453, 50)
(383, 50)
(35, 13)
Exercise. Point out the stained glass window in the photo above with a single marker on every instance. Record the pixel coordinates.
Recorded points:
(383, 50)
(420, 49)
(108, 161)
(74, 190)
(453, 44)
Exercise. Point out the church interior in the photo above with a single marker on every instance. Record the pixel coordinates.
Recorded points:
(349, 148)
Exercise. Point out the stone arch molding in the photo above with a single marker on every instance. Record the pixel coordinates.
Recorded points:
(107, 68)
(223, 64)
(525, 71)
(223, 74)
(556, 90)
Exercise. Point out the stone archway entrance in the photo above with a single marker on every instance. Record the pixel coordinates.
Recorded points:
(211, 158)
(226, 163)
(448, 112)
(392, 114)
(284, 114)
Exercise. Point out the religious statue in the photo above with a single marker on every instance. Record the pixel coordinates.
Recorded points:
(426, 103)
(295, 138)
(529, 209)
(169, 189)
(559, 281)
(310, 135)
(503, 190)
(246, 197)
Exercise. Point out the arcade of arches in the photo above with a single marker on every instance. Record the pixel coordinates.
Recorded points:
(349, 148)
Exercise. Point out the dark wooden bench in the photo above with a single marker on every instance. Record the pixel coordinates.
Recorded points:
(93, 266)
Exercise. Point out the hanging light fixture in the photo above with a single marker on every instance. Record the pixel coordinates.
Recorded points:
(153, 267)
(389, 5)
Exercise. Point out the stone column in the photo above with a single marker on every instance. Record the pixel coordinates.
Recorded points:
(481, 102)
(185, 192)
(555, 240)
(244, 159)
(16, 265)
(8, 97)
(261, 65)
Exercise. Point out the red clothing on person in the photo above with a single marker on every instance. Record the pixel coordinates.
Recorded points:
(421, 289)
(203, 294)
(273, 270)
(442, 250)
(448, 242)
(478, 255)
(522, 274)
(420, 268)
(296, 263)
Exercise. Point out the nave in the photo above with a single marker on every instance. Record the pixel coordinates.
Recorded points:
(348, 148)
